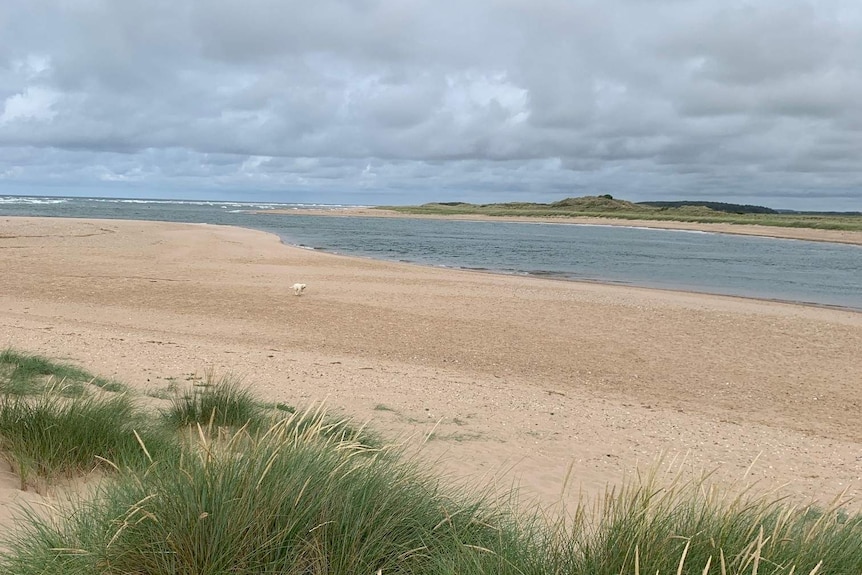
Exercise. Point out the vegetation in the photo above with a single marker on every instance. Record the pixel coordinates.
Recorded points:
(307, 495)
(51, 436)
(716, 206)
(692, 528)
(57, 420)
(608, 207)
(222, 403)
(23, 374)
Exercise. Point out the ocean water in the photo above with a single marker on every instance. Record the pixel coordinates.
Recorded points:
(788, 270)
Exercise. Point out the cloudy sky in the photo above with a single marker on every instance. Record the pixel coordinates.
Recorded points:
(407, 101)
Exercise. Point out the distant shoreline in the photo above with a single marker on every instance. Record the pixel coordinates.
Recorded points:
(806, 234)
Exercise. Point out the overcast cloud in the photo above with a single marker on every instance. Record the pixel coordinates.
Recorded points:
(407, 101)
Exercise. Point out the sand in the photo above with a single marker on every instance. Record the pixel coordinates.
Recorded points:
(515, 379)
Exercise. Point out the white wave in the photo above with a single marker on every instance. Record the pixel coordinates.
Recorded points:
(30, 200)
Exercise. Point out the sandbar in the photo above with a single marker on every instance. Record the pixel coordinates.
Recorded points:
(808, 234)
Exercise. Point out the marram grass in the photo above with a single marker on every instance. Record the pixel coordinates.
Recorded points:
(296, 501)
(52, 436)
(692, 527)
(26, 374)
(223, 404)
(215, 403)
(305, 493)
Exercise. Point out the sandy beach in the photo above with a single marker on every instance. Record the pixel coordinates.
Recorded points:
(510, 379)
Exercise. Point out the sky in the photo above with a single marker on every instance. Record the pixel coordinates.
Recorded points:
(376, 102)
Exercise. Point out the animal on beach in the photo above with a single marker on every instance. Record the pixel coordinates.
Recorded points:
(298, 289)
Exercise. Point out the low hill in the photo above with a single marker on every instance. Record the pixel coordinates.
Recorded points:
(606, 203)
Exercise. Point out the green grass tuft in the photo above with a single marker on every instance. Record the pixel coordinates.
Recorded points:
(222, 403)
(280, 407)
(23, 374)
(109, 385)
(49, 436)
(690, 527)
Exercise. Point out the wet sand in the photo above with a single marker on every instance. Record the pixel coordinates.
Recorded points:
(510, 379)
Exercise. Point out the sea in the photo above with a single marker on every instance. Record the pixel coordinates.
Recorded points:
(816, 273)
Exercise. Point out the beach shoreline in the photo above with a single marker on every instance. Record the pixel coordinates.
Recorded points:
(513, 378)
(805, 234)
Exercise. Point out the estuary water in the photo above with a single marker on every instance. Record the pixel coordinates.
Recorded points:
(778, 269)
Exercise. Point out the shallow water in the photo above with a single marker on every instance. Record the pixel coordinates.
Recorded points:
(792, 270)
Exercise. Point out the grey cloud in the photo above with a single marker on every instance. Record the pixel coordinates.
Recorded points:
(496, 99)
(755, 43)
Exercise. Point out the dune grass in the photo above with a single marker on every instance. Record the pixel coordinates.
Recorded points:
(57, 420)
(307, 494)
(52, 436)
(27, 374)
(215, 403)
(220, 404)
(691, 527)
(298, 501)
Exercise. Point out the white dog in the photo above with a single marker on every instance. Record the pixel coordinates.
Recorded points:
(298, 289)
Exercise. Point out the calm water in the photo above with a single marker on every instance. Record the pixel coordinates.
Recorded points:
(812, 272)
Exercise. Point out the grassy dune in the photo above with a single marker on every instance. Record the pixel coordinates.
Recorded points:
(282, 491)
(605, 207)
